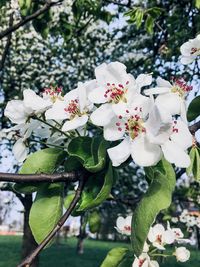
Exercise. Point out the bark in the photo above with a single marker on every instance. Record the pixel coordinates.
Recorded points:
(28, 243)
(82, 235)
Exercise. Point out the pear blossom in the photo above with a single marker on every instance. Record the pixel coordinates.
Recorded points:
(18, 111)
(123, 225)
(74, 108)
(190, 50)
(175, 148)
(20, 150)
(179, 236)
(135, 131)
(144, 261)
(115, 89)
(171, 97)
(182, 254)
(159, 237)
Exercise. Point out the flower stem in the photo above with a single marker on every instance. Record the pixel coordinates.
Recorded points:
(44, 143)
(53, 127)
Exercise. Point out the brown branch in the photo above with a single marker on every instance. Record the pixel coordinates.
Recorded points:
(27, 262)
(7, 46)
(195, 127)
(39, 12)
(39, 178)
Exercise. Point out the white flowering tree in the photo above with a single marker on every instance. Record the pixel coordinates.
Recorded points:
(104, 124)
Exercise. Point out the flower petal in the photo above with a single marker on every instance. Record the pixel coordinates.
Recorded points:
(163, 83)
(16, 111)
(143, 80)
(102, 115)
(20, 151)
(119, 153)
(144, 153)
(111, 131)
(183, 137)
(97, 95)
(75, 123)
(156, 90)
(120, 223)
(175, 154)
(57, 112)
(170, 102)
(35, 102)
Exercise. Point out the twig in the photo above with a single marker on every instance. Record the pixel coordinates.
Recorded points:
(27, 262)
(39, 178)
(13, 28)
(7, 46)
(195, 127)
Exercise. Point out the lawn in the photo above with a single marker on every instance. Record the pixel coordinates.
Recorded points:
(64, 255)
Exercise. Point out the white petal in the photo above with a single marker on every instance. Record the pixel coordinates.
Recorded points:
(154, 264)
(120, 223)
(187, 60)
(71, 95)
(175, 154)
(183, 137)
(16, 111)
(163, 83)
(34, 101)
(115, 72)
(20, 151)
(97, 95)
(144, 153)
(75, 123)
(111, 131)
(82, 96)
(57, 112)
(143, 80)
(119, 153)
(102, 115)
(128, 220)
(157, 91)
(170, 102)
(142, 102)
(120, 108)
(169, 237)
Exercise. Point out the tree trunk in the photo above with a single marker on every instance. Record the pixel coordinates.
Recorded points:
(82, 235)
(28, 243)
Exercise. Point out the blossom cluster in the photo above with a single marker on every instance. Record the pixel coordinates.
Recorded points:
(158, 238)
(189, 218)
(146, 128)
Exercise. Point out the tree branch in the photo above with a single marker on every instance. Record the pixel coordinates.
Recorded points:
(39, 178)
(7, 46)
(39, 12)
(27, 262)
(195, 127)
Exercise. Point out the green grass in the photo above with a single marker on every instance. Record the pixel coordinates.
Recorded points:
(64, 255)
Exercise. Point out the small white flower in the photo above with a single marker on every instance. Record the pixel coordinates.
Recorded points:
(190, 50)
(159, 237)
(171, 97)
(123, 225)
(144, 261)
(74, 108)
(182, 254)
(16, 111)
(115, 89)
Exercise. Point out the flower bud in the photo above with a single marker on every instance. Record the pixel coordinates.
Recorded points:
(182, 254)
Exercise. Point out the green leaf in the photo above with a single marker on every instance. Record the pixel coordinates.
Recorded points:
(149, 23)
(46, 210)
(94, 222)
(97, 189)
(25, 7)
(72, 164)
(91, 152)
(193, 109)
(194, 168)
(154, 12)
(157, 198)
(197, 3)
(116, 257)
(139, 17)
(43, 161)
(26, 189)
